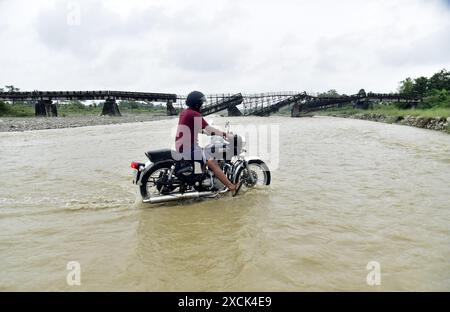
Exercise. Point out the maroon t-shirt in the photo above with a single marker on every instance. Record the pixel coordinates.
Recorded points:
(190, 122)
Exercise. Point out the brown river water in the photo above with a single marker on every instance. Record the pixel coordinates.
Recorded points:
(345, 193)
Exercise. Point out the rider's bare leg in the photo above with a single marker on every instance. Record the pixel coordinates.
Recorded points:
(212, 164)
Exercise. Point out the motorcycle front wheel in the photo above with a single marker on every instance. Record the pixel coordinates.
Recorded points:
(259, 172)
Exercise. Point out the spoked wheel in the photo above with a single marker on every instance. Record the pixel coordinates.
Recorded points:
(152, 182)
(256, 174)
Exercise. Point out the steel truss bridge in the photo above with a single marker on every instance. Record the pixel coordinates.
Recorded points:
(258, 104)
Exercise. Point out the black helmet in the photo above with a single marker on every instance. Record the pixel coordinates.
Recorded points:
(195, 100)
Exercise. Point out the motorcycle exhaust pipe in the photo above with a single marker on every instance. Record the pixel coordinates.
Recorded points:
(174, 197)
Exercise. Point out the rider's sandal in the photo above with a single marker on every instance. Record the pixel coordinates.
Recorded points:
(236, 191)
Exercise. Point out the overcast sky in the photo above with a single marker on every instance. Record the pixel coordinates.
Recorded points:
(221, 46)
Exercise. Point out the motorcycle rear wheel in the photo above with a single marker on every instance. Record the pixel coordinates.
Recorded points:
(149, 187)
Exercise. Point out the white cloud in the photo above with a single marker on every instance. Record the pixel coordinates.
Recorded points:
(222, 46)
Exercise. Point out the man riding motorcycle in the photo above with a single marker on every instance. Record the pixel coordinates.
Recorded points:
(190, 124)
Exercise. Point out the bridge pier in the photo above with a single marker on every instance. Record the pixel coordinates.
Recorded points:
(295, 111)
(171, 110)
(110, 108)
(45, 108)
(363, 104)
(233, 111)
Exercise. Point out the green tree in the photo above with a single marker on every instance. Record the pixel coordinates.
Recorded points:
(440, 80)
(362, 93)
(3, 108)
(330, 93)
(420, 87)
(11, 88)
(438, 98)
(406, 87)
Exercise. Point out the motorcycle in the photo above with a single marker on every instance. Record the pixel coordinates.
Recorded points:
(167, 176)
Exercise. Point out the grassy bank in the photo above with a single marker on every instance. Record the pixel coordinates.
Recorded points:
(70, 111)
(435, 118)
(15, 110)
(20, 109)
(393, 111)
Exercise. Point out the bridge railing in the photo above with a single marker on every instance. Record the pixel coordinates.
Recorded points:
(87, 95)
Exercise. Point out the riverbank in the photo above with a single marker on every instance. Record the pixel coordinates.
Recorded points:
(20, 124)
(425, 119)
(438, 120)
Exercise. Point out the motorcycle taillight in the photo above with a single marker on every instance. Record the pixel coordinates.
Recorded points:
(135, 165)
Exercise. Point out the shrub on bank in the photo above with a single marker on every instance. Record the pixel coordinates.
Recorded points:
(3, 108)
(15, 110)
(433, 90)
(438, 98)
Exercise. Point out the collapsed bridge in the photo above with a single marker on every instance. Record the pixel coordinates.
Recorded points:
(261, 104)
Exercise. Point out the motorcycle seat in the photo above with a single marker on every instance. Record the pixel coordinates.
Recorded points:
(163, 154)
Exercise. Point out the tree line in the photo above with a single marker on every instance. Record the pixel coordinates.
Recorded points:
(434, 90)
(10, 88)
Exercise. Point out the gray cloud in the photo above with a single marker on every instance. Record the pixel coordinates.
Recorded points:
(222, 46)
(432, 49)
(185, 39)
(98, 27)
(204, 53)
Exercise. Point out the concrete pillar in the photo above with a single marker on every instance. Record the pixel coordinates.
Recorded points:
(54, 110)
(111, 108)
(45, 108)
(171, 111)
(234, 111)
(362, 104)
(295, 111)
